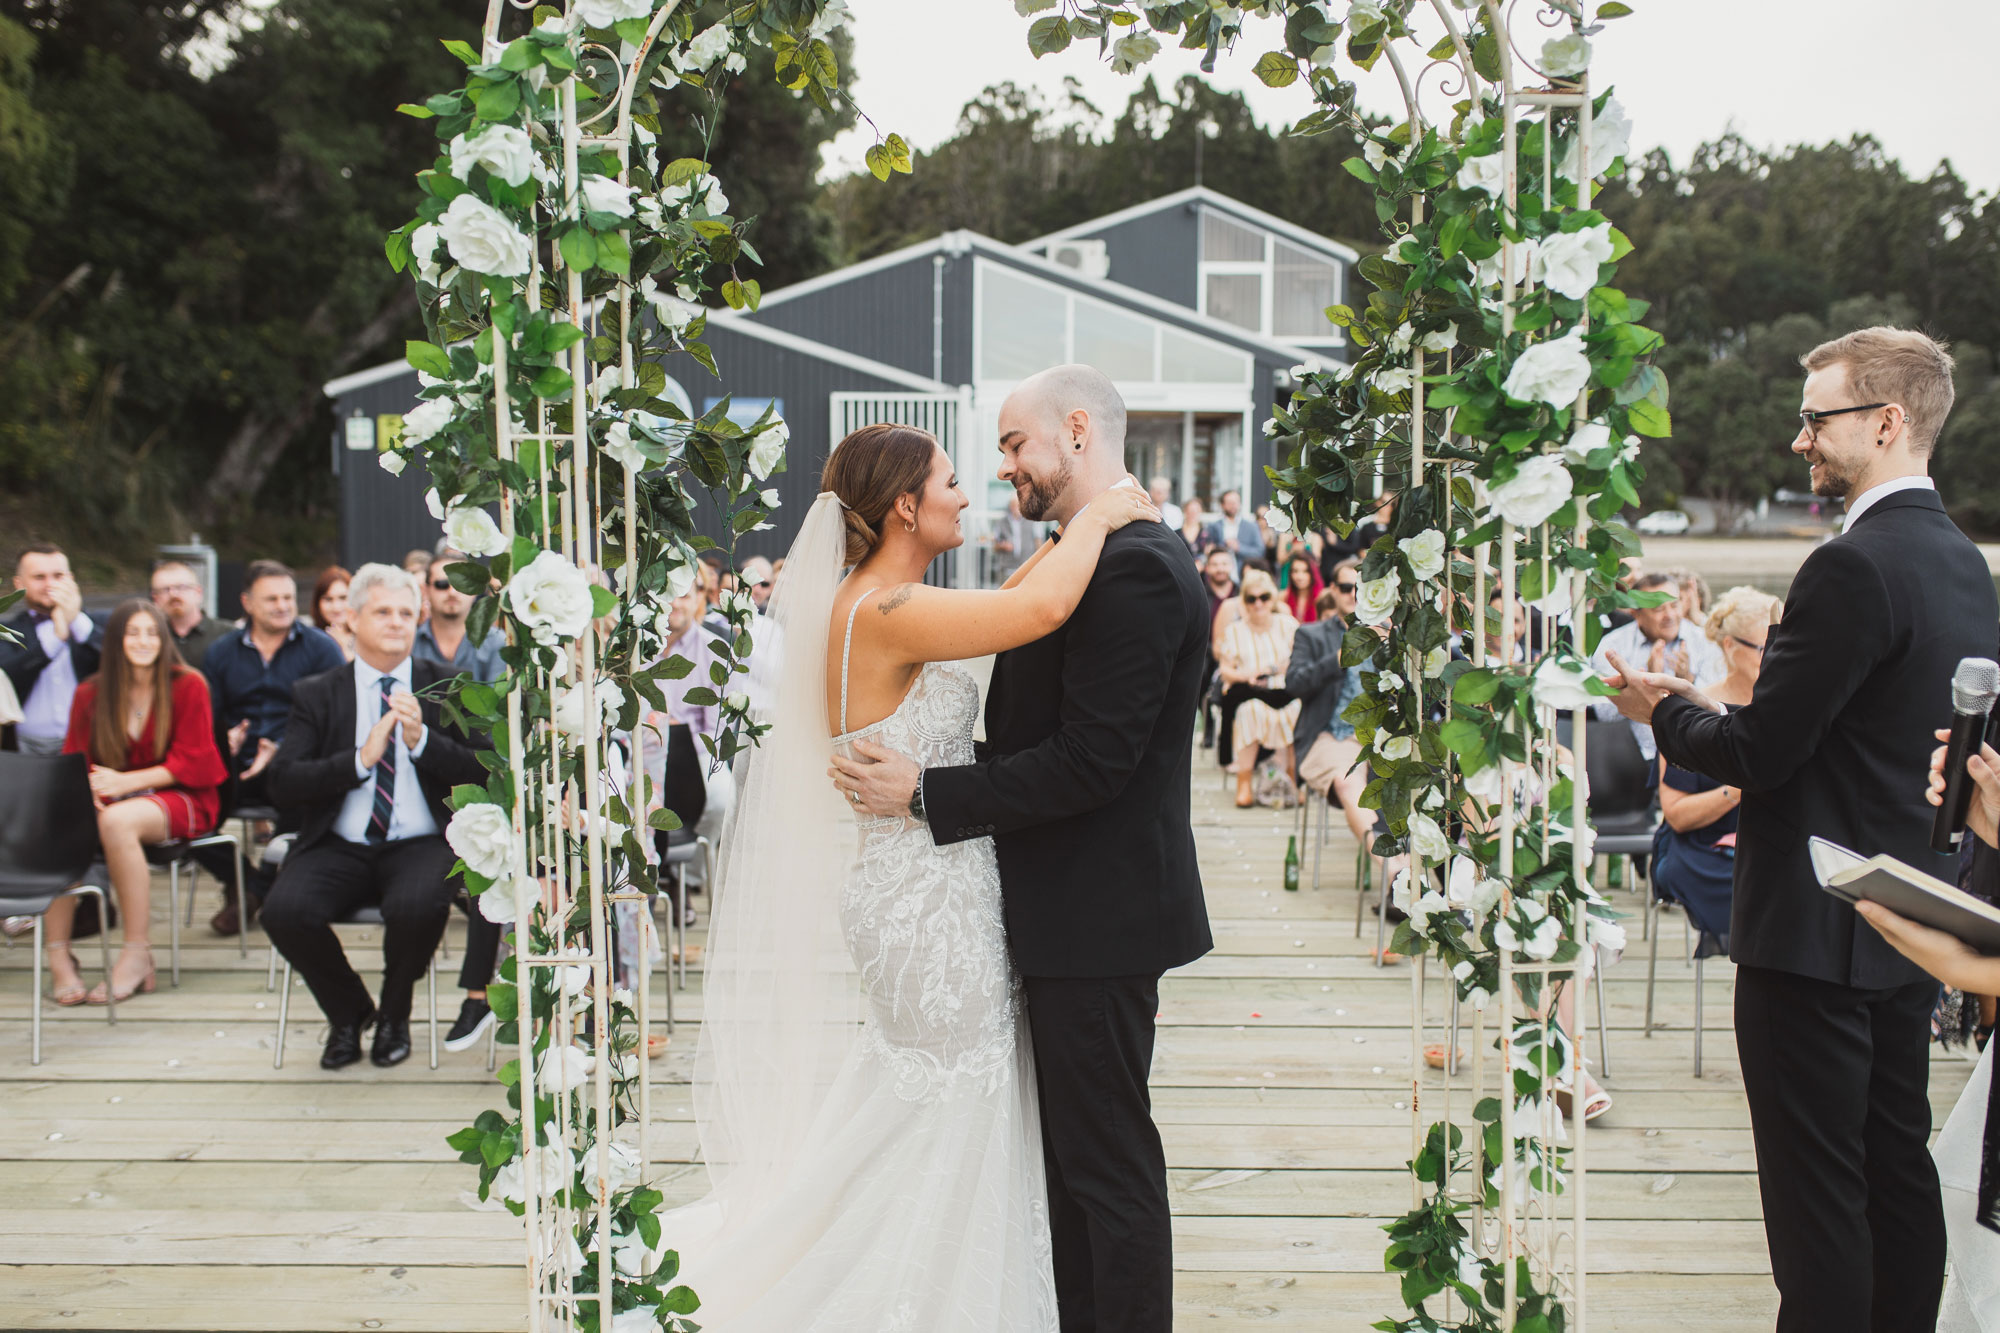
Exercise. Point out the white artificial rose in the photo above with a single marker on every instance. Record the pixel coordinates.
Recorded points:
(605, 13)
(1567, 262)
(1427, 839)
(709, 45)
(1388, 682)
(1271, 427)
(472, 530)
(483, 837)
(736, 62)
(434, 504)
(1559, 682)
(1376, 600)
(392, 462)
(1398, 342)
(622, 449)
(768, 449)
(1435, 661)
(1487, 785)
(1402, 894)
(1541, 945)
(616, 1162)
(1540, 486)
(1524, 258)
(1631, 449)
(504, 150)
(427, 419)
(1394, 747)
(1373, 153)
(1362, 12)
(835, 15)
(1556, 597)
(1586, 440)
(1394, 379)
(1487, 172)
(601, 194)
(1440, 340)
(1128, 53)
(1425, 552)
(1552, 372)
(1279, 521)
(423, 252)
(1466, 890)
(570, 717)
(1610, 137)
(1431, 904)
(510, 901)
(551, 597)
(481, 238)
(633, 1258)
(1565, 57)
(680, 579)
(563, 1068)
(1606, 934)
(1471, 1271)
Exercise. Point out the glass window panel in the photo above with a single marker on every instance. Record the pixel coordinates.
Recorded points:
(1237, 298)
(1187, 360)
(1303, 286)
(1116, 343)
(1223, 240)
(1021, 326)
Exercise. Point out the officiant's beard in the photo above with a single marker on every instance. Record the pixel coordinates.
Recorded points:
(1039, 496)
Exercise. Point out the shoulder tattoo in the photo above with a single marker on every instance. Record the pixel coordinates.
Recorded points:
(902, 594)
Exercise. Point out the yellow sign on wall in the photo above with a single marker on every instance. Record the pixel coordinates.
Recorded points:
(388, 431)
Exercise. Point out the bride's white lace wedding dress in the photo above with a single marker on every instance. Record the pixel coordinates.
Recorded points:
(917, 1204)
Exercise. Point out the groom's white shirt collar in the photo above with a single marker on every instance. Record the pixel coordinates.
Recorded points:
(1863, 502)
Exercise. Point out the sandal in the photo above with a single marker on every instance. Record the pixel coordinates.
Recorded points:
(66, 995)
(656, 1046)
(1434, 1056)
(145, 983)
(1595, 1105)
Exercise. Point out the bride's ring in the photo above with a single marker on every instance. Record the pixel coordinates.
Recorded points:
(855, 797)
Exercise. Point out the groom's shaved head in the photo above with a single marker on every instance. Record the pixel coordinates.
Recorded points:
(1054, 394)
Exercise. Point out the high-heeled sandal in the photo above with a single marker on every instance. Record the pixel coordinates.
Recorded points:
(66, 996)
(144, 984)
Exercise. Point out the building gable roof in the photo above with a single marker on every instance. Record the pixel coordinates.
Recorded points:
(1201, 194)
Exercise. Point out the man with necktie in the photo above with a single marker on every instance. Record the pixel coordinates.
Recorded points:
(367, 767)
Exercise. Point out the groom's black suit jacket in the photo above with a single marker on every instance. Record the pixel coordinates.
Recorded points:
(1084, 777)
(1837, 738)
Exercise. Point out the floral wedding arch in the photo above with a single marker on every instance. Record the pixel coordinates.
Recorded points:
(1498, 382)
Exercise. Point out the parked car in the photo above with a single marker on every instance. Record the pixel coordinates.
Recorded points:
(1663, 523)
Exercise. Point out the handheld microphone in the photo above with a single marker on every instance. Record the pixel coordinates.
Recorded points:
(1973, 688)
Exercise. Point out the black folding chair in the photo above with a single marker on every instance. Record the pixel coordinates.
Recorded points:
(48, 842)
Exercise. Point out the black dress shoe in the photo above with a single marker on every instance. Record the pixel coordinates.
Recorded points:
(343, 1043)
(474, 1017)
(392, 1042)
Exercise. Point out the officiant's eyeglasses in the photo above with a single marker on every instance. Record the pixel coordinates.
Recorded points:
(1756, 648)
(1811, 420)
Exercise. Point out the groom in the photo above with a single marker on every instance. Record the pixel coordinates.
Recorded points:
(1083, 785)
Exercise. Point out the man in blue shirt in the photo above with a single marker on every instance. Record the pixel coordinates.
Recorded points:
(1235, 532)
(442, 640)
(250, 678)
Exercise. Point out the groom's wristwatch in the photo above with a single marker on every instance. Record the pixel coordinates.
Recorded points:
(917, 801)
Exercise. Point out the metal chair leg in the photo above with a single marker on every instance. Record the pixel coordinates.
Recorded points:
(35, 1021)
(271, 975)
(1319, 842)
(284, 1008)
(174, 917)
(1363, 871)
(1697, 1016)
(680, 928)
(1603, 1025)
(1382, 919)
(1652, 959)
(432, 977)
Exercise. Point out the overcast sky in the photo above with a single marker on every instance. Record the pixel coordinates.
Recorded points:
(1916, 74)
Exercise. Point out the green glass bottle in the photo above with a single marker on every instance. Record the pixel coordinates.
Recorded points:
(1292, 864)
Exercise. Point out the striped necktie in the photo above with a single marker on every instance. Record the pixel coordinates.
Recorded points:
(384, 805)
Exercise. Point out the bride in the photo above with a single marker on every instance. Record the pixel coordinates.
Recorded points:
(864, 1090)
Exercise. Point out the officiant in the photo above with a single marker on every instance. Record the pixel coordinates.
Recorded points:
(1832, 1024)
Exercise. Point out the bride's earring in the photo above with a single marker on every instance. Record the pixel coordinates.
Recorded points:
(910, 527)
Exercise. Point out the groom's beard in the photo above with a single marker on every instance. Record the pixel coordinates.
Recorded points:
(1039, 495)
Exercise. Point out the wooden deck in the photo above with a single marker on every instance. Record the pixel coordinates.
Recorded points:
(161, 1175)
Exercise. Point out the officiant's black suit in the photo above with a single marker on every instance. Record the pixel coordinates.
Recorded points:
(1083, 785)
(1832, 1025)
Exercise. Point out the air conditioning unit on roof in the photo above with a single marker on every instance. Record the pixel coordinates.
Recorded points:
(1090, 258)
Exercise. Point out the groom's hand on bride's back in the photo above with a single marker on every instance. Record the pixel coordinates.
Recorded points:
(880, 782)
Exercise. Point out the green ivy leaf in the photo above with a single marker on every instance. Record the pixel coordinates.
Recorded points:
(578, 249)
(1276, 69)
(1649, 418)
(427, 357)
(461, 50)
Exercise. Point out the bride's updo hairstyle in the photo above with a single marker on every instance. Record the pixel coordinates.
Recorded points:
(872, 469)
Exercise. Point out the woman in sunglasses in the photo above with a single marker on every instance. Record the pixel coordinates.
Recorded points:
(1255, 651)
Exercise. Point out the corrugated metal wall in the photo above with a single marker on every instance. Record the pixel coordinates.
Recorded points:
(1157, 253)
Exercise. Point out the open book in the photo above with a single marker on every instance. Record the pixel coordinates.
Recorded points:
(1906, 891)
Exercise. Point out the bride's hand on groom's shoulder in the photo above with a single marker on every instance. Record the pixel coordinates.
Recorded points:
(880, 782)
(1119, 506)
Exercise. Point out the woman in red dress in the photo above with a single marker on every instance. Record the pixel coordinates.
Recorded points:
(1302, 586)
(144, 723)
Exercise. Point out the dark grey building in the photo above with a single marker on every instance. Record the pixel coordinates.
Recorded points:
(1197, 306)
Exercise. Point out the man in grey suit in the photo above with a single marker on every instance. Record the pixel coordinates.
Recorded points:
(1236, 532)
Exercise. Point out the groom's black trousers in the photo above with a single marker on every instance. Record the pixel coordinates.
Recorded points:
(1107, 1173)
(1837, 1080)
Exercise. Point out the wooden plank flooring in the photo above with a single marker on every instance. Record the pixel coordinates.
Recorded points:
(161, 1175)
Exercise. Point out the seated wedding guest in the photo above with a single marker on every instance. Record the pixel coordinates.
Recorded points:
(443, 642)
(1194, 533)
(688, 782)
(1302, 586)
(1015, 538)
(1218, 580)
(1255, 650)
(1329, 753)
(758, 578)
(369, 767)
(1694, 596)
(177, 592)
(329, 607)
(1162, 492)
(418, 564)
(1694, 861)
(142, 721)
(55, 645)
(1659, 639)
